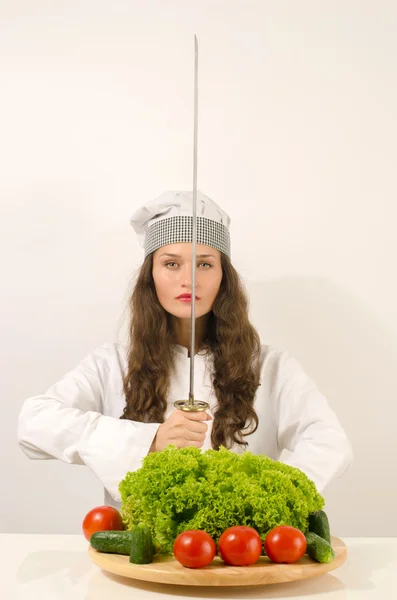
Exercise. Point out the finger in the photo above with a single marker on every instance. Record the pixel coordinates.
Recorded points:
(180, 416)
(188, 443)
(193, 436)
(196, 426)
(183, 430)
(197, 416)
(195, 444)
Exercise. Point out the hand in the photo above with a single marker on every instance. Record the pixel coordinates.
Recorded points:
(182, 429)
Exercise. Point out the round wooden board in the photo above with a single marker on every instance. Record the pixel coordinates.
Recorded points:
(168, 570)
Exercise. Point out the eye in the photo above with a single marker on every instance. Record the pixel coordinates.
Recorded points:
(174, 263)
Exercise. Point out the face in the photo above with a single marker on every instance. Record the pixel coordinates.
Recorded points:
(173, 276)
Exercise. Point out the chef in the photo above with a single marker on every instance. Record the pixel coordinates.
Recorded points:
(117, 404)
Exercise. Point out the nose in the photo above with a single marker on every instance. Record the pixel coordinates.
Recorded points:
(187, 279)
(186, 276)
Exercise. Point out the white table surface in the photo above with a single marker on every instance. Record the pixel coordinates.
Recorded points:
(52, 567)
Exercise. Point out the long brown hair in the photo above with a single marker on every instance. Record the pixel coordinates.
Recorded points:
(231, 339)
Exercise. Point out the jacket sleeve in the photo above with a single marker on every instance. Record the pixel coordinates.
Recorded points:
(308, 427)
(68, 423)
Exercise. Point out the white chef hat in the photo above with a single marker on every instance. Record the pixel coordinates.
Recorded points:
(168, 219)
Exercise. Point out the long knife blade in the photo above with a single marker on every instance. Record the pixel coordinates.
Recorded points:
(192, 405)
(194, 227)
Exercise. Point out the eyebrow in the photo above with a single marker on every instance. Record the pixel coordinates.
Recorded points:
(198, 255)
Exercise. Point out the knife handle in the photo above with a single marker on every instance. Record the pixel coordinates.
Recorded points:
(197, 406)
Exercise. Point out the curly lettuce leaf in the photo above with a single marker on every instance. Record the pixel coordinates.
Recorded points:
(176, 490)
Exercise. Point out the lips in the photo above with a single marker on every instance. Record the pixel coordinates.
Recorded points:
(186, 297)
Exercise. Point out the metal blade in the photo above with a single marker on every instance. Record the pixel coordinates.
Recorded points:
(194, 236)
(192, 405)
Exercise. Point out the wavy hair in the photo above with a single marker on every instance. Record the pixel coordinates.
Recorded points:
(230, 338)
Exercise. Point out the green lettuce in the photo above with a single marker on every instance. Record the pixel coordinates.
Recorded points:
(180, 489)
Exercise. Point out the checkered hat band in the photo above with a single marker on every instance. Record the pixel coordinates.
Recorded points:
(179, 229)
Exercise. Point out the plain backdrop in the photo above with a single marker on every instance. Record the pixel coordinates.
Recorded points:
(297, 142)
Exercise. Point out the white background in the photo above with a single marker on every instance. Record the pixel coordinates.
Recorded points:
(297, 142)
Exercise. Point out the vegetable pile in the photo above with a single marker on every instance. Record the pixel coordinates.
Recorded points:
(238, 545)
(186, 489)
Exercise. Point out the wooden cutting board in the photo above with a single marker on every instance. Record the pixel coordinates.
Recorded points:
(168, 570)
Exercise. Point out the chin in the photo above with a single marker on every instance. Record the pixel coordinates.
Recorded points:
(184, 312)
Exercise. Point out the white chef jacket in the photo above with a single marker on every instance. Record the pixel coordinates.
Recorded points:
(77, 419)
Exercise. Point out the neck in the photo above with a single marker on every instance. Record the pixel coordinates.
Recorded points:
(181, 332)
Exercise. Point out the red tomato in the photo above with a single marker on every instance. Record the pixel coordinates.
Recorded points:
(194, 548)
(240, 545)
(101, 518)
(285, 544)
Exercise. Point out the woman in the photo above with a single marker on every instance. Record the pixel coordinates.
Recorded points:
(118, 403)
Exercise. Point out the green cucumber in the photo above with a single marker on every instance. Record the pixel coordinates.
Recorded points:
(318, 523)
(114, 542)
(318, 548)
(141, 545)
